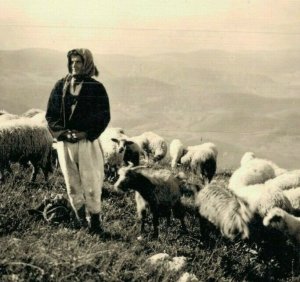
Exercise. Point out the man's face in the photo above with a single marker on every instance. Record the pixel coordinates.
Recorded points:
(76, 64)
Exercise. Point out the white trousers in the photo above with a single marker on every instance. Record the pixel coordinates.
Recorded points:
(82, 166)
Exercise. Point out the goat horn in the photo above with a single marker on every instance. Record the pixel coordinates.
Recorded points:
(130, 165)
(140, 166)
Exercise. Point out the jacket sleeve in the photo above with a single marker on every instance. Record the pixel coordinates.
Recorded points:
(100, 117)
(54, 115)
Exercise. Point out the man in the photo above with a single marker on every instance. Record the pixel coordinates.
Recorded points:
(77, 113)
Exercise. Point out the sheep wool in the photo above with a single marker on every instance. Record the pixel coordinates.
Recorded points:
(154, 147)
(225, 210)
(294, 197)
(254, 171)
(28, 140)
(261, 198)
(176, 152)
(113, 156)
(202, 160)
(287, 180)
(6, 116)
(32, 112)
(283, 221)
(248, 156)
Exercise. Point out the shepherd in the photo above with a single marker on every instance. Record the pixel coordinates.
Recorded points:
(77, 113)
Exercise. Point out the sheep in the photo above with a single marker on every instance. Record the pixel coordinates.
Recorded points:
(294, 197)
(113, 141)
(210, 145)
(248, 156)
(6, 116)
(153, 146)
(132, 152)
(32, 112)
(225, 210)
(283, 221)
(125, 149)
(142, 142)
(253, 171)
(25, 140)
(176, 152)
(287, 180)
(261, 198)
(202, 160)
(40, 117)
(157, 189)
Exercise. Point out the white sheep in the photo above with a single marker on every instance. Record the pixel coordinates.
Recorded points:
(132, 150)
(225, 210)
(112, 141)
(157, 189)
(153, 146)
(25, 140)
(41, 118)
(6, 116)
(248, 156)
(32, 112)
(286, 180)
(283, 221)
(253, 171)
(294, 197)
(261, 198)
(210, 145)
(202, 160)
(176, 152)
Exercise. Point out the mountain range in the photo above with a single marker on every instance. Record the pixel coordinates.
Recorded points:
(246, 101)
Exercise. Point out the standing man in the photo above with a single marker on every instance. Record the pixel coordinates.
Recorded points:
(77, 113)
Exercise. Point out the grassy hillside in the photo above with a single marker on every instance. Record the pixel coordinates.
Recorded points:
(34, 250)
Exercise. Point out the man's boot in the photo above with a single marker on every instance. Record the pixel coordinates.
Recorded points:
(95, 224)
(80, 218)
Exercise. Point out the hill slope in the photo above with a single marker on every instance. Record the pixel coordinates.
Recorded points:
(237, 100)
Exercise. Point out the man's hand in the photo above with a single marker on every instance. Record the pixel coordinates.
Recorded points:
(65, 136)
(72, 136)
(79, 135)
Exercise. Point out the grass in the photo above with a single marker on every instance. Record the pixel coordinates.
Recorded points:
(35, 250)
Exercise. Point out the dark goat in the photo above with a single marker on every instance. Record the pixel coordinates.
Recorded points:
(157, 189)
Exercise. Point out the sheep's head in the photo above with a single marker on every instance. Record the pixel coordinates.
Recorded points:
(121, 143)
(247, 157)
(186, 159)
(160, 150)
(276, 219)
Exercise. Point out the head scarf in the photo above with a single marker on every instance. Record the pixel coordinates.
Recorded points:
(89, 69)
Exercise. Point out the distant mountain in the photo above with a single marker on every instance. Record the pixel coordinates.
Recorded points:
(241, 101)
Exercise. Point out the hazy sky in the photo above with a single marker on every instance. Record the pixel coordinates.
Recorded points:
(153, 26)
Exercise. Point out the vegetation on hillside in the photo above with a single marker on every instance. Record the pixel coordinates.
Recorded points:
(35, 250)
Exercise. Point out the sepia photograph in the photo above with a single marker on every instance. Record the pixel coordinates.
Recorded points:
(149, 140)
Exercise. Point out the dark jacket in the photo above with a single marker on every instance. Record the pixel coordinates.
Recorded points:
(91, 114)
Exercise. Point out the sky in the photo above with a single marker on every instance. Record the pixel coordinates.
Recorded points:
(141, 27)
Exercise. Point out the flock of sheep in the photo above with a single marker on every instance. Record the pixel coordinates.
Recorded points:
(257, 188)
